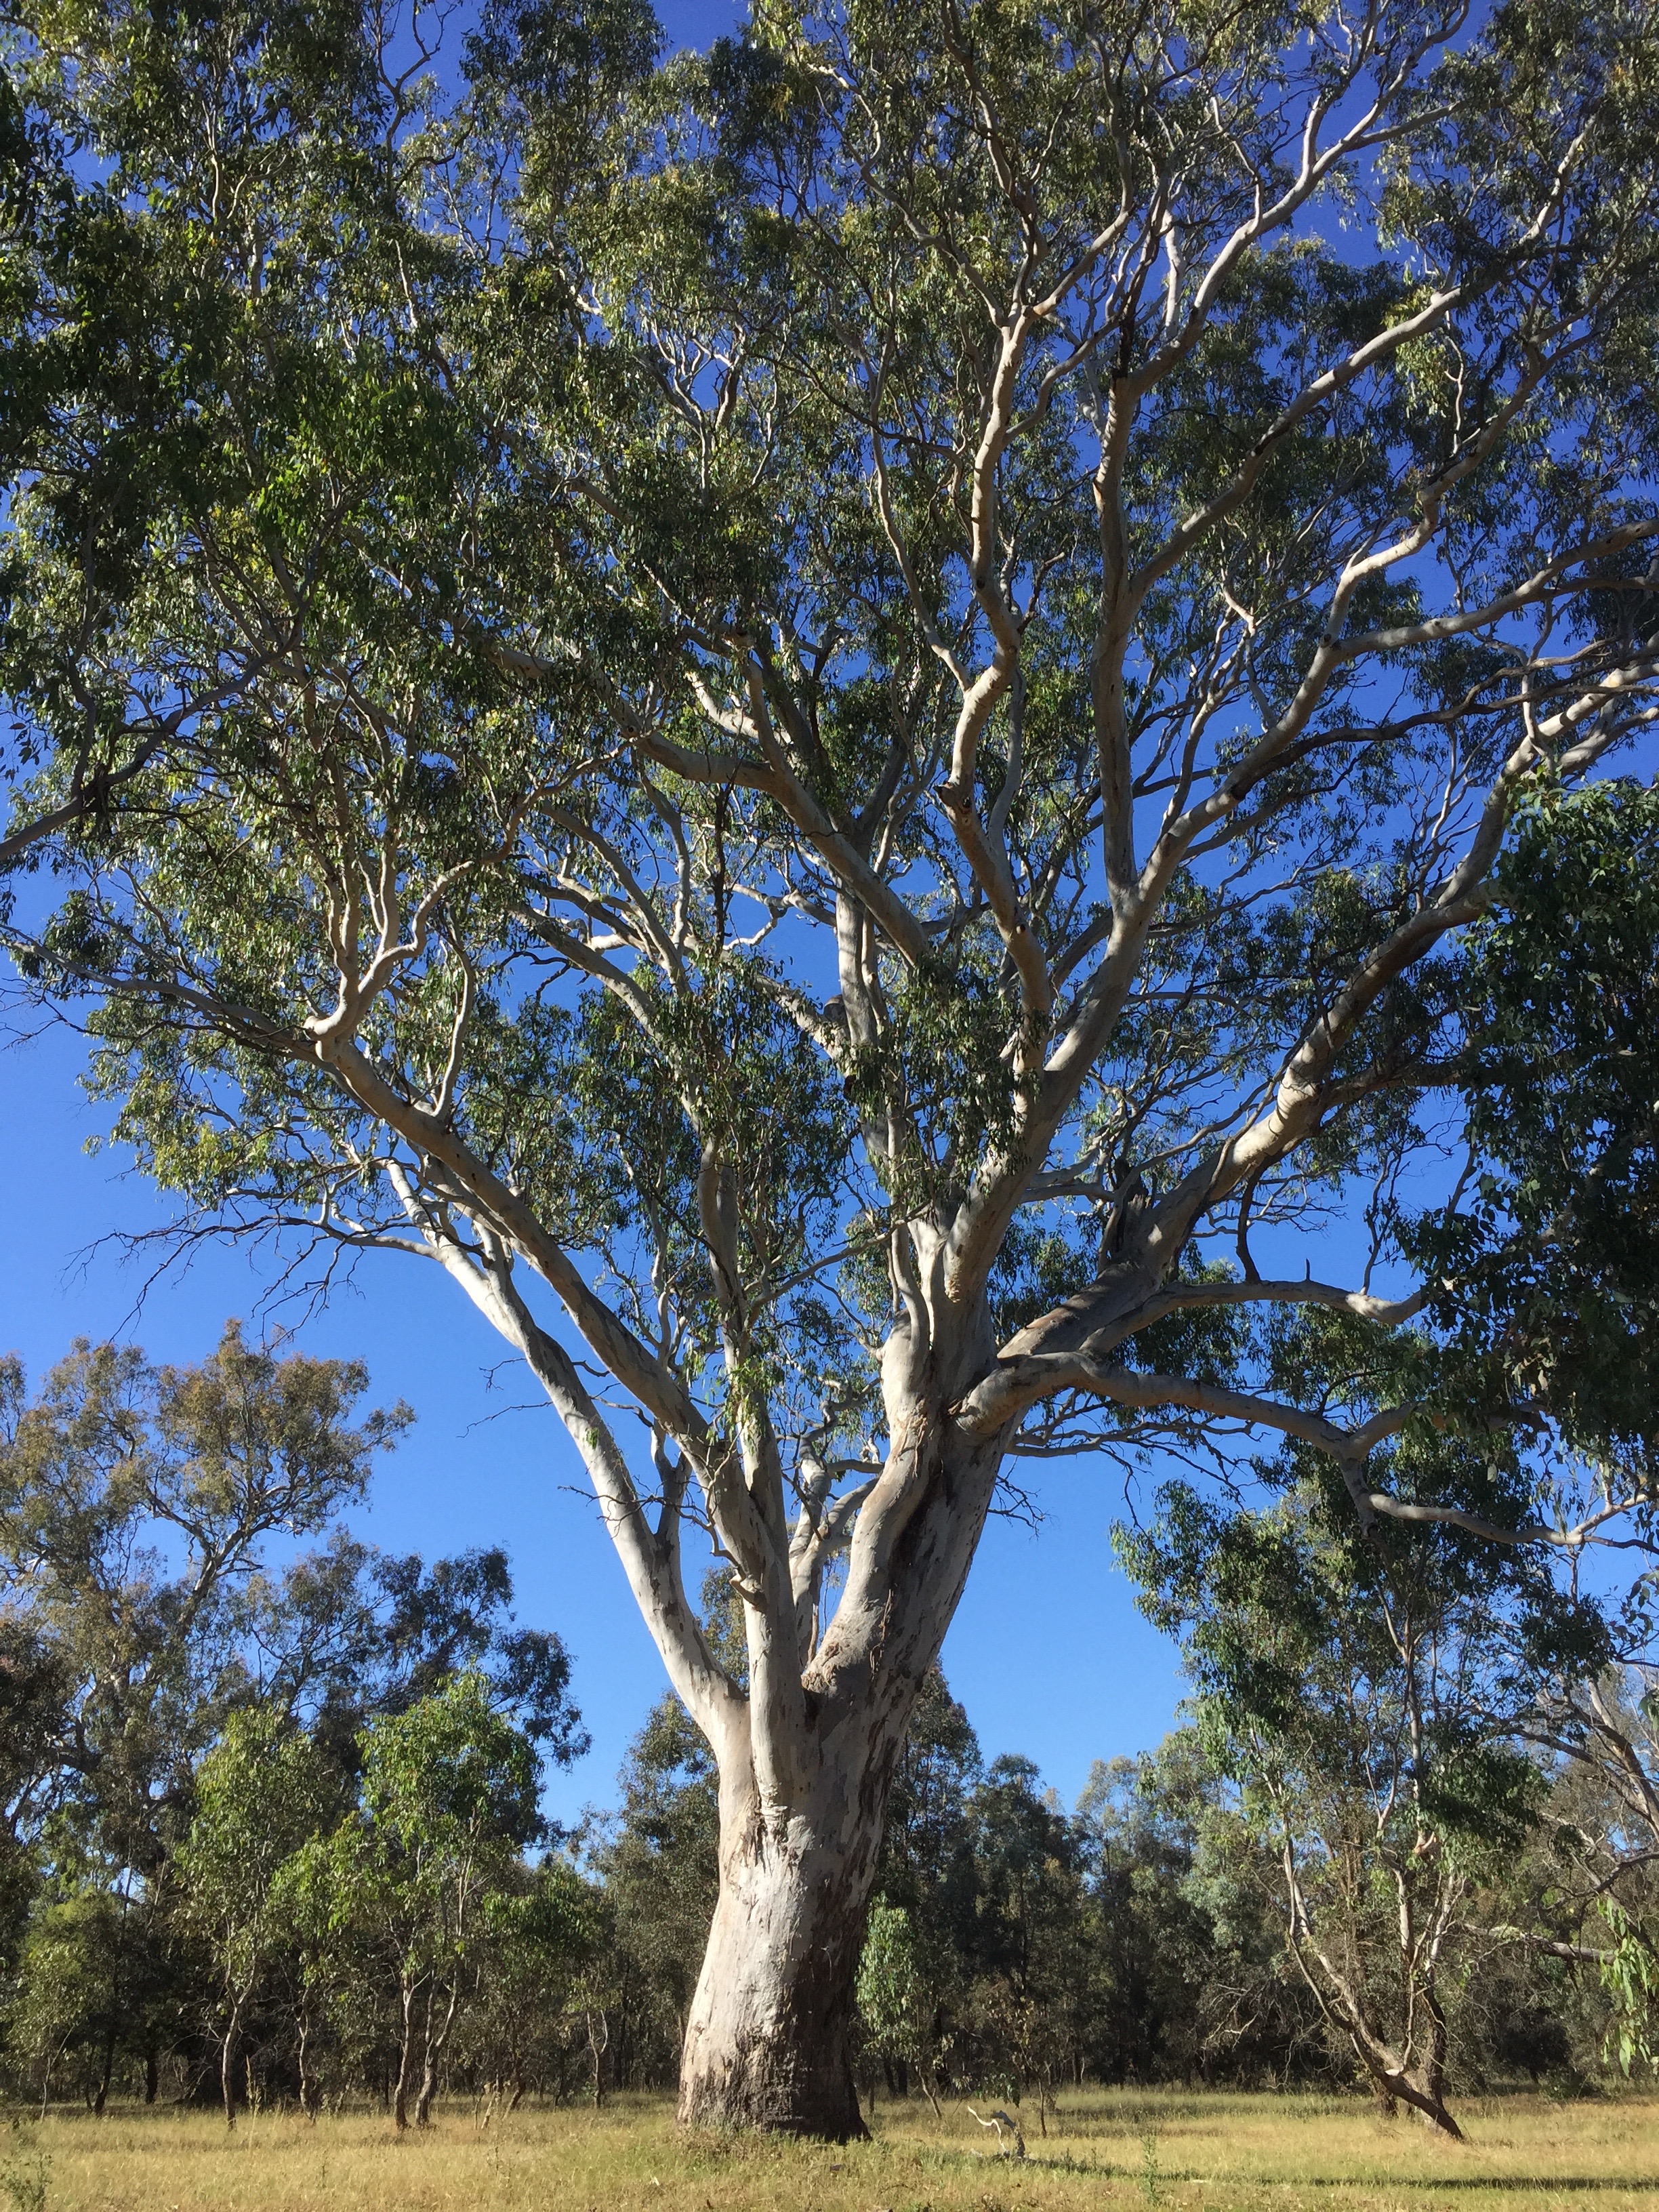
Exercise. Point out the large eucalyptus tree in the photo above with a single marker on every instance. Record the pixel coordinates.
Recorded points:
(827, 717)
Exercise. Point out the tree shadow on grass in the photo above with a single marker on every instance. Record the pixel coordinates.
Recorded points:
(1633, 2183)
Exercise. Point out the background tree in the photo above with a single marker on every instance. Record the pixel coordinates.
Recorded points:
(825, 716)
(449, 1794)
(659, 1859)
(347, 1633)
(77, 1991)
(135, 1507)
(896, 2013)
(179, 1714)
(1363, 1693)
(1552, 1252)
(928, 1869)
(1195, 1984)
(260, 1793)
(542, 1934)
(1031, 1981)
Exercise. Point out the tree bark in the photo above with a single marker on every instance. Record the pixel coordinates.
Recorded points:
(432, 2053)
(1428, 2076)
(405, 2065)
(102, 2097)
(1433, 2110)
(227, 2065)
(307, 2086)
(805, 1771)
(768, 2038)
(1396, 2079)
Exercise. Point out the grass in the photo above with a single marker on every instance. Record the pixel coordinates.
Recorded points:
(1163, 2149)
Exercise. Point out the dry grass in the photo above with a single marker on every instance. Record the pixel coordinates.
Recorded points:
(1226, 2154)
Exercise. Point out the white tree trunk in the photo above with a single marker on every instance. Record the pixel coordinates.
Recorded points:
(769, 2038)
(769, 2041)
(807, 1750)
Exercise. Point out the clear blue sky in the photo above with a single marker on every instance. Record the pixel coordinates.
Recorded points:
(1048, 1652)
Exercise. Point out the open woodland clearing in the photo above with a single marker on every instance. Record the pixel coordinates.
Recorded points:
(1143, 2147)
(928, 743)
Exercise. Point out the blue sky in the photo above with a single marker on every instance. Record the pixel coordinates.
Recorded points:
(697, 22)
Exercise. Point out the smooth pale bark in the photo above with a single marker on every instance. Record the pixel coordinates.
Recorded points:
(769, 2038)
(101, 2097)
(433, 2050)
(310, 2101)
(228, 2064)
(1411, 2070)
(405, 2082)
(1422, 2086)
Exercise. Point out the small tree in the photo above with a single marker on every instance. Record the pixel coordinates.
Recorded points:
(331, 1983)
(539, 1936)
(1032, 1974)
(73, 1991)
(1360, 1694)
(136, 1506)
(896, 2006)
(260, 1793)
(409, 1883)
(659, 1859)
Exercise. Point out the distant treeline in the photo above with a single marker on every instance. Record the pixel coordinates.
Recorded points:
(274, 1829)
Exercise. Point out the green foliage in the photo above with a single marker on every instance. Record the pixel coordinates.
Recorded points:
(526, 500)
(399, 1910)
(450, 1772)
(1363, 1693)
(1549, 1263)
(263, 1789)
(136, 1656)
(1629, 1975)
(893, 2009)
(70, 1990)
(193, 1738)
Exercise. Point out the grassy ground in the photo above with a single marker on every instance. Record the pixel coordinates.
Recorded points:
(1227, 2154)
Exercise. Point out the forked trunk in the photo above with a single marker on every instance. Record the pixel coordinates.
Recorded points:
(805, 1766)
(1426, 2086)
(433, 2041)
(1432, 2109)
(102, 2096)
(308, 2096)
(1421, 2087)
(769, 2041)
